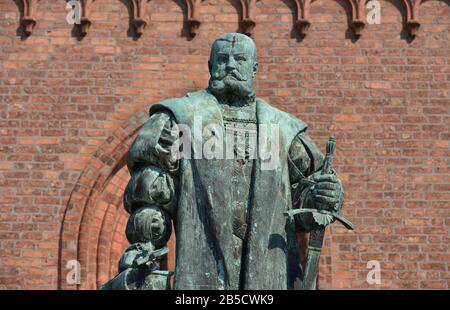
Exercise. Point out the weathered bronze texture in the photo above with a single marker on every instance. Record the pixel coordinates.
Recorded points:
(225, 168)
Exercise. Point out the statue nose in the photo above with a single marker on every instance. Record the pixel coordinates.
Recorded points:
(231, 64)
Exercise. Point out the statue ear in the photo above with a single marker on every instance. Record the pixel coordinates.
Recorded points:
(209, 67)
(255, 68)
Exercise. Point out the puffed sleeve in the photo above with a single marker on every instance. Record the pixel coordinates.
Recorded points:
(153, 166)
(150, 196)
(304, 158)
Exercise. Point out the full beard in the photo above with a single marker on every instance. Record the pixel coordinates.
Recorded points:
(231, 87)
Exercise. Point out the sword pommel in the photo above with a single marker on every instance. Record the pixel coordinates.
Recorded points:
(331, 145)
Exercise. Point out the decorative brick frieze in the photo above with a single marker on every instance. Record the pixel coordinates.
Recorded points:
(85, 21)
(139, 20)
(303, 23)
(358, 16)
(248, 21)
(248, 15)
(193, 12)
(28, 19)
(412, 16)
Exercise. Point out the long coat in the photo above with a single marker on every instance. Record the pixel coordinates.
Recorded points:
(203, 219)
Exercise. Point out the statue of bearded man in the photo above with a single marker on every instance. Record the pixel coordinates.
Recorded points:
(226, 202)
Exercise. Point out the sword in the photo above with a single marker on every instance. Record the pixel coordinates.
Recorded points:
(321, 219)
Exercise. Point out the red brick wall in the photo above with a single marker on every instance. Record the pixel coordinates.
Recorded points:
(69, 109)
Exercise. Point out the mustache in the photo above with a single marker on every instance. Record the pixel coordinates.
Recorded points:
(234, 74)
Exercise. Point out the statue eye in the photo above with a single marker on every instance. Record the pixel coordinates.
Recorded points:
(221, 58)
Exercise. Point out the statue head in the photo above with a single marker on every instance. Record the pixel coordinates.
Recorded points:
(232, 65)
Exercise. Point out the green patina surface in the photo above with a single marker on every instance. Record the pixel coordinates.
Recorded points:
(227, 202)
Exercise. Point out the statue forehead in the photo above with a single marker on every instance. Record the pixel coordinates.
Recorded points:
(234, 41)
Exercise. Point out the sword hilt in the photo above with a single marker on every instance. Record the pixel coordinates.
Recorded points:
(341, 219)
(328, 161)
(326, 169)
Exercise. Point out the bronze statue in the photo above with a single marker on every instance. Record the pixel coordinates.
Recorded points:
(198, 162)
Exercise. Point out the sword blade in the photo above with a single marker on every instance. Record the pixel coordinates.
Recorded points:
(315, 244)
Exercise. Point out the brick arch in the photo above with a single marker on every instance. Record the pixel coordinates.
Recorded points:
(117, 240)
(112, 241)
(92, 226)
